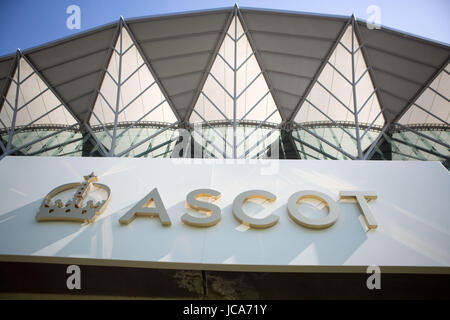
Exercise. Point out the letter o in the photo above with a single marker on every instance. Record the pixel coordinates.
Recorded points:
(299, 218)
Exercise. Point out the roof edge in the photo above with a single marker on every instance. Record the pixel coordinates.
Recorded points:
(62, 40)
(133, 20)
(295, 13)
(411, 36)
(174, 15)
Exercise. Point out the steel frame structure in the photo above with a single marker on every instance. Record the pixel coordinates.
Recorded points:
(353, 82)
(287, 126)
(8, 148)
(235, 95)
(117, 109)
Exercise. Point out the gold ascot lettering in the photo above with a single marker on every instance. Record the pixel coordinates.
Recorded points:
(152, 206)
(213, 212)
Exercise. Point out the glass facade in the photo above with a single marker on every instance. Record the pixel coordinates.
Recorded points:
(235, 112)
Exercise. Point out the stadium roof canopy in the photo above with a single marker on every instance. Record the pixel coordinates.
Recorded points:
(228, 68)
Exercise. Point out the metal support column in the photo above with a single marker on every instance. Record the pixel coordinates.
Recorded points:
(235, 84)
(119, 83)
(355, 107)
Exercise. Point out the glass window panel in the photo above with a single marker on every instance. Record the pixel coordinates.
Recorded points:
(255, 145)
(410, 146)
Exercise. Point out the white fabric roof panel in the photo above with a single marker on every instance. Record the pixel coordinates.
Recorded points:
(179, 45)
(334, 81)
(402, 65)
(294, 44)
(6, 65)
(73, 66)
(246, 84)
(435, 100)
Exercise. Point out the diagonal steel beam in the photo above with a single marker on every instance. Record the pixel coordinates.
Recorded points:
(245, 61)
(137, 97)
(42, 138)
(414, 146)
(225, 61)
(329, 118)
(367, 100)
(97, 140)
(256, 128)
(319, 71)
(209, 66)
(259, 61)
(213, 129)
(52, 89)
(267, 135)
(216, 107)
(13, 121)
(7, 84)
(2, 146)
(253, 107)
(432, 114)
(152, 71)
(374, 143)
(102, 74)
(146, 139)
(419, 93)
(423, 135)
(33, 99)
(339, 72)
(439, 94)
(140, 118)
(314, 148)
(249, 85)
(325, 141)
(334, 96)
(38, 118)
(371, 124)
(63, 144)
(211, 143)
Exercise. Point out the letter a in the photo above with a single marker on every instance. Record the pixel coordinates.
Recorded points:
(74, 280)
(141, 209)
(374, 281)
(74, 20)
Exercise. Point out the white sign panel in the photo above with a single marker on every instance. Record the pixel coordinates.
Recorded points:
(404, 220)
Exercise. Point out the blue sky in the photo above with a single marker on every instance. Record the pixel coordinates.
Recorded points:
(28, 23)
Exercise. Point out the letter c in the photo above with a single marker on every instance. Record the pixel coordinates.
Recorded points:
(242, 217)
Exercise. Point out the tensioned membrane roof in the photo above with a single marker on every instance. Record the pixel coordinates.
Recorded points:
(292, 50)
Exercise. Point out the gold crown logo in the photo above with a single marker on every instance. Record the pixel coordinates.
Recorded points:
(73, 210)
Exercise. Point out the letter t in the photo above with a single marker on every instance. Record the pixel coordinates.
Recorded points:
(361, 197)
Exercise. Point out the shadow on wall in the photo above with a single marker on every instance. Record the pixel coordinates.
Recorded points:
(21, 234)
